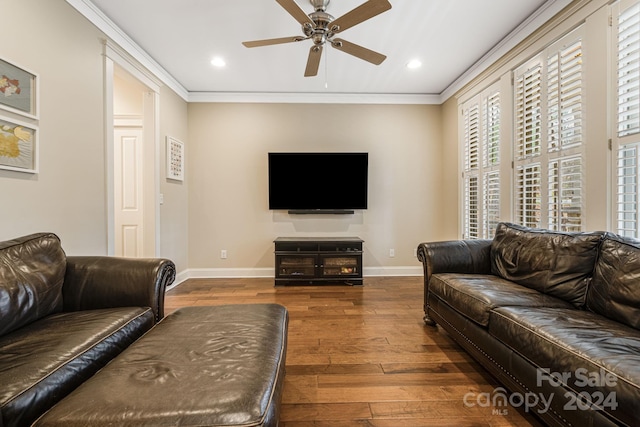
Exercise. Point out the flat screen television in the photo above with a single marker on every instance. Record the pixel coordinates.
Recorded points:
(310, 182)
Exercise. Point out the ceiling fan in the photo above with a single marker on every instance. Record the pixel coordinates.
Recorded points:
(321, 27)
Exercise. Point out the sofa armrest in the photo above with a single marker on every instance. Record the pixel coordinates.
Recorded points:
(93, 282)
(453, 256)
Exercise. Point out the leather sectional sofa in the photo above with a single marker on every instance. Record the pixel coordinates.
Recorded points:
(555, 317)
(63, 318)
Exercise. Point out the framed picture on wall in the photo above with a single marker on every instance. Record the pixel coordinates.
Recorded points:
(18, 146)
(175, 159)
(18, 90)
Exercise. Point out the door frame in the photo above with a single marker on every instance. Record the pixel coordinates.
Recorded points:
(116, 60)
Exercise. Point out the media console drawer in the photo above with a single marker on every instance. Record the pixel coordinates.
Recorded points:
(326, 260)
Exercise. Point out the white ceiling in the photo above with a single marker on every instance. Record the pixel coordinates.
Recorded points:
(452, 38)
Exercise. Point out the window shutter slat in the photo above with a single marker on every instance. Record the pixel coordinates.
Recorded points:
(529, 195)
(627, 203)
(565, 194)
(528, 104)
(471, 208)
(628, 77)
(491, 203)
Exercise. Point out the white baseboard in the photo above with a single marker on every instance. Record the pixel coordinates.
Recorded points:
(391, 271)
(239, 273)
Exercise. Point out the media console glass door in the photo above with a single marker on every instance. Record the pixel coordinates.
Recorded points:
(296, 266)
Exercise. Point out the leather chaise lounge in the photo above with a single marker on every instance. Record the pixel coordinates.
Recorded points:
(63, 318)
(84, 342)
(555, 317)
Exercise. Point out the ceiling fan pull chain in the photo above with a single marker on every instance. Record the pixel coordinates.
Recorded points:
(326, 70)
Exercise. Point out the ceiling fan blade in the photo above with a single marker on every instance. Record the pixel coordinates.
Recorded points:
(294, 10)
(268, 42)
(313, 63)
(361, 13)
(358, 51)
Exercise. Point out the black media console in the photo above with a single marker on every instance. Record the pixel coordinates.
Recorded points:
(317, 260)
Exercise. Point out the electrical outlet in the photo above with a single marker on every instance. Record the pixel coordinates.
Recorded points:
(392, 253)
(415, 252)
(223, 254)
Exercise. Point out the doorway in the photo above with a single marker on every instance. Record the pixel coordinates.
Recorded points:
(132, 155)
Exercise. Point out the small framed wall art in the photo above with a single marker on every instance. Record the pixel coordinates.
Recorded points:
(18, 146)
(18, 90)
(175, 159)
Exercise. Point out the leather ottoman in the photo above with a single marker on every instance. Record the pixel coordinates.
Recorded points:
(199, 366)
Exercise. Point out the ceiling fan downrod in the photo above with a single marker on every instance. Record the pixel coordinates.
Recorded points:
(320, 5)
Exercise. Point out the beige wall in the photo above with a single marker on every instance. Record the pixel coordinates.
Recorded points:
(68, 195)
(222, 203)
(174, 229)
(228, 188)
(450, 171)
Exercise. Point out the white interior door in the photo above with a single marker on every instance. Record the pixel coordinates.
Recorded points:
(132, 99)
(129, 191)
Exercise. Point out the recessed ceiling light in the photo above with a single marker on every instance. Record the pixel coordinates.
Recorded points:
(218, 62)
(413, 64)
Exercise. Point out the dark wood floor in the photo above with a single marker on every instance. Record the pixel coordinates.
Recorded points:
(361, 356)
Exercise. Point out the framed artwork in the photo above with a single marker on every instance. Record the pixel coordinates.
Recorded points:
(18, 146)
(175, 159)
(18, 90)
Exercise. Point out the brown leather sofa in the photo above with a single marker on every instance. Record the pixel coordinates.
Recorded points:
(63, 318)
(555, 317)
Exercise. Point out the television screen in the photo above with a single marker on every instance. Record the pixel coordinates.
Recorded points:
(318, 181)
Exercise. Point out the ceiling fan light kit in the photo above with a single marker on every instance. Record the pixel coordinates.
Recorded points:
(320, 27)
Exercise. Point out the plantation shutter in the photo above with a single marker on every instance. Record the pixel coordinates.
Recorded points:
(529, 200)
(491, 162)
(528, 112)
(564, 129)
(471, 165)
(481, 177)
(491, 204)
(628, 73)
(627, 190)
(626, 38)
(528, 89)
(549, 146)
(471, 208)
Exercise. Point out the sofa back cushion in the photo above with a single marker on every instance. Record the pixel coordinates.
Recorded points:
(32, 270)
(554, 263)
(615, 289)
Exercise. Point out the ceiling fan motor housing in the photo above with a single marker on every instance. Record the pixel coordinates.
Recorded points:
(320, 30)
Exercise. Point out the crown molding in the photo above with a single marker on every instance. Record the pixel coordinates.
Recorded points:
(312, 98)
(87, 9)
(519, 34)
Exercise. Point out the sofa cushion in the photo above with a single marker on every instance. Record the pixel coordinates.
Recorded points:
(615, 289)
(475, 295)
(43, 362)
(32, 270)
(593, 355)
(554, 263)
